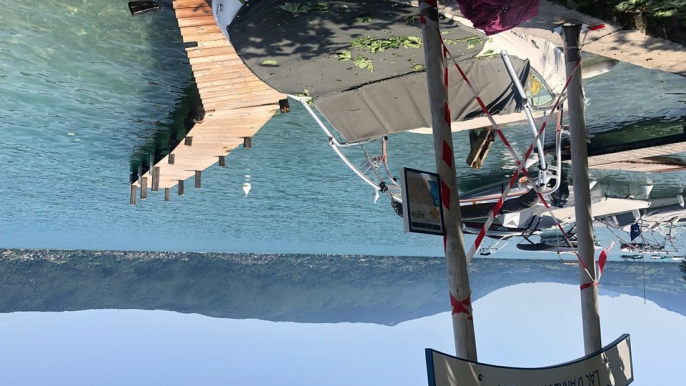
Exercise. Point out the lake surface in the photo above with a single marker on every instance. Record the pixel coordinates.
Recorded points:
(88, 92)
(88, 89)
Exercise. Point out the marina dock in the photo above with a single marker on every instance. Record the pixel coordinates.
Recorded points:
(640, 156)
(235, 102)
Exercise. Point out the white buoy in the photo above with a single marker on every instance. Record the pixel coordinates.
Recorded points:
(246, 188)
(648, 187)
(376, 195)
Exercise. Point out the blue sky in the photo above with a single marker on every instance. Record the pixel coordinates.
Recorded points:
(115, 347)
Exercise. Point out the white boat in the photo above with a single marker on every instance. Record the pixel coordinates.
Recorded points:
(365, 95)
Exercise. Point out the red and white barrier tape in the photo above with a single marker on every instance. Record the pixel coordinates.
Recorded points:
(520, 163)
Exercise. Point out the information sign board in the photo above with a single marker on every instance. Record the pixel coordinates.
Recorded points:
(422, 207)
(610, 366)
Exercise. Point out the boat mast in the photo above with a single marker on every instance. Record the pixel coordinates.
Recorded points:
(582, 194)
(458, 279)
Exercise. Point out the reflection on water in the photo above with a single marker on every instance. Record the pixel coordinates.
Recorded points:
(286, 319)
(302, 288)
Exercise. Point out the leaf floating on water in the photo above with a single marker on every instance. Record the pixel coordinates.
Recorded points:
(269, 63)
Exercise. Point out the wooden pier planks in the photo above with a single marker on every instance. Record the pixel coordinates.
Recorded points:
(236, 102)
(640, 156)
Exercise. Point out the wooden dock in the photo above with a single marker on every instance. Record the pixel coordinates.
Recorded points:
(640, 156)
(236, 103)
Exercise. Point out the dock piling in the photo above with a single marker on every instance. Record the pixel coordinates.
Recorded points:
(198, 174)
(134, 194)
(144, 188)
(155, 179)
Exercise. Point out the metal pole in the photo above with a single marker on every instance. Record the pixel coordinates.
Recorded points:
(529, 115)
(582, 193)
(458, 279)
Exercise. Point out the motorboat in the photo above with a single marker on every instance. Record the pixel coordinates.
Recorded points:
(339, 64)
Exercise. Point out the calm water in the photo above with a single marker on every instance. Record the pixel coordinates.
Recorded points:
(86, 87)
(86, 90)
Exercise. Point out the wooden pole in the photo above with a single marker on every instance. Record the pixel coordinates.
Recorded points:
(144, 188)
(198, 174)
(166, 194)
(458, 279)
(134, 194)
(171, 159)
(180, 187)
(222, 161)
(582, 193)
(155, 179)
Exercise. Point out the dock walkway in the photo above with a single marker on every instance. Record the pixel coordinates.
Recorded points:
(236, 103)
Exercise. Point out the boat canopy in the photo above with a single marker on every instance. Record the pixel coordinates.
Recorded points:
(363, 63)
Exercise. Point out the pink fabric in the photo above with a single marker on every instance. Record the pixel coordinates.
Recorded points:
(493, 16)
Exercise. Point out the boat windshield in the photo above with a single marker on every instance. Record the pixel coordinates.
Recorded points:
(537, 91)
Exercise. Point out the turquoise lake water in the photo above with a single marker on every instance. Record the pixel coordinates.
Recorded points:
(87, 90)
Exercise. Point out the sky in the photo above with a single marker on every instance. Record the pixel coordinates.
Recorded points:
(133, 347)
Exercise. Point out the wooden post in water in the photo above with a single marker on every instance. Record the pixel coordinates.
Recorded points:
(166, 194)
(582, 194)
(134, 194)
(222, 161)
(180, 187)
(155, 179)
(456, 258)
(198, 174)
(144, 188)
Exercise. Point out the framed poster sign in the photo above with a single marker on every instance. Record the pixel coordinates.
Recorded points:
(422, 208)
